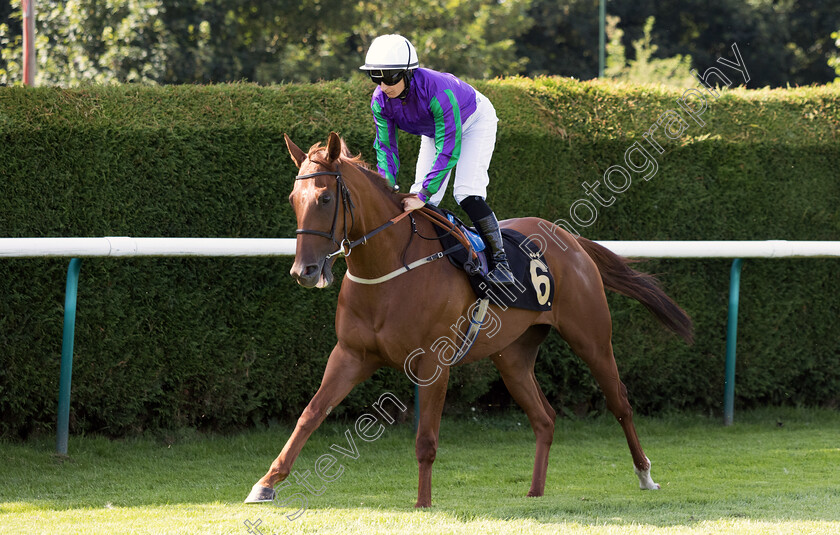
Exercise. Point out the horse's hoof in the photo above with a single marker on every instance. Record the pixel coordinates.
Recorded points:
(645, 482)
(260, 494)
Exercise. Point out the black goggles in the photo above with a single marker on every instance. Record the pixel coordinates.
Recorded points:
(387, 76)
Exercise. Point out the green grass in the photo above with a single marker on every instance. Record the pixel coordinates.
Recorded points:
(774, 471)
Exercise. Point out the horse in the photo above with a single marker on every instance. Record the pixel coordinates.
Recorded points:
(344, 208)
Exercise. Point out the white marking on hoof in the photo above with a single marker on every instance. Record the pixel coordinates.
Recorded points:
(645, 482)
(260, 494)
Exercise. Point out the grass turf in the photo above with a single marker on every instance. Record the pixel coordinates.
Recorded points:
(774, 471)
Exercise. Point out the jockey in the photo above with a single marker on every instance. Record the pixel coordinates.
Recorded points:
(457, 125)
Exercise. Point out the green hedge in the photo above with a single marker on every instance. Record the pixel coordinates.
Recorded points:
(232, 343)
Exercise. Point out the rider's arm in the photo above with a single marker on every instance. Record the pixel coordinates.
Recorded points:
(447, 115)
(385, 143)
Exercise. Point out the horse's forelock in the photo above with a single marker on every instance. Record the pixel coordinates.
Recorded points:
(315, 150)
(319, 151)
(318, 154)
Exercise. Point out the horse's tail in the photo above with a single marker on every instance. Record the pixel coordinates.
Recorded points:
(619, 277)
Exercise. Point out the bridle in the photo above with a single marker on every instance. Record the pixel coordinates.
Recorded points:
(342, 193)
(341, 190)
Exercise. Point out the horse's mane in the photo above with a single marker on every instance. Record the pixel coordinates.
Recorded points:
(318, 154)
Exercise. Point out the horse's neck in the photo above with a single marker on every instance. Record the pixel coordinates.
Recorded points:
(384, 251)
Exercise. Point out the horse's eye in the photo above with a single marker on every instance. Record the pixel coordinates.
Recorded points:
(325, 198)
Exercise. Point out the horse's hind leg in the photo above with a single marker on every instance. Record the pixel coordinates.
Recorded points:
(591, 342)
(617, 402)
(516, 366)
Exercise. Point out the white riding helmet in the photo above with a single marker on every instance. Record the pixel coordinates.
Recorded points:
(390, 52)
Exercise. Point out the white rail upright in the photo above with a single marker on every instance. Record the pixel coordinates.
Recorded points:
(123, 246)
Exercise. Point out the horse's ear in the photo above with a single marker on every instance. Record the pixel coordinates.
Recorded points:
(298, 156)
(334, 146)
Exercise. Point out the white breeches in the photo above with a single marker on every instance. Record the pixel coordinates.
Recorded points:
(478, 139)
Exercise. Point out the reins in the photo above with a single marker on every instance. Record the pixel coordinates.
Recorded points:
(345, 247)
(444, 223)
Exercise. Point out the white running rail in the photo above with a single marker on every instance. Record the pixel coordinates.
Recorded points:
(127, 246)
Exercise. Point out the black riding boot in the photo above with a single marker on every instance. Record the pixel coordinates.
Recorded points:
(488, 227)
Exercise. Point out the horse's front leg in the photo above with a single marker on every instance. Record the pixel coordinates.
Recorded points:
(432, 397)
(345, 369)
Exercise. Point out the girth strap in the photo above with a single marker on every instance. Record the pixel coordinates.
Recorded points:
(476, 322)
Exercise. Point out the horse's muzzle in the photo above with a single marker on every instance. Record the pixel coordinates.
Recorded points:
(313, 275)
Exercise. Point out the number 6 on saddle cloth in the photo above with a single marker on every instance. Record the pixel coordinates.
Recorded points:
(534, 284)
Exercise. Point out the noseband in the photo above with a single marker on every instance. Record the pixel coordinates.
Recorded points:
(341, 192)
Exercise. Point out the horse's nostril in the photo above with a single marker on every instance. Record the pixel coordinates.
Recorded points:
(310, 270)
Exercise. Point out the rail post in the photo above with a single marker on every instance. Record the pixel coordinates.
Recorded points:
(731, 339)
(63, 425)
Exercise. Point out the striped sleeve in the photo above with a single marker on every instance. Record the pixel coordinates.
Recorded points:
(385, 144)
(447, 116)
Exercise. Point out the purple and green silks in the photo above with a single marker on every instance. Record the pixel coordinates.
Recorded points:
(437, 105)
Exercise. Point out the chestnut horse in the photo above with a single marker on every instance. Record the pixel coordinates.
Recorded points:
(340, 203)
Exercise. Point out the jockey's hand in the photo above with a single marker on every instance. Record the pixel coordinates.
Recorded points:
(412, 203)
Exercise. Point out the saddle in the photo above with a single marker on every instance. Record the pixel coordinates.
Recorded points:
(534, 287)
